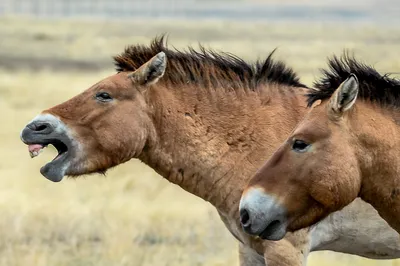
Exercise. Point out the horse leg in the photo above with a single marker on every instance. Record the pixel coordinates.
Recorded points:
(293, 250)
(249, 257)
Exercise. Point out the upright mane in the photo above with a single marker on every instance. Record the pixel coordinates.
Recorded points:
(208, 68)
(374, 87)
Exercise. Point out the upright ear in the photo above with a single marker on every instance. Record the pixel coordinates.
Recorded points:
(345, 96)
(151, 71)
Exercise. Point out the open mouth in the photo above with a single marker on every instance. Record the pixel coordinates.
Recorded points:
(54, 170)
(36, 149)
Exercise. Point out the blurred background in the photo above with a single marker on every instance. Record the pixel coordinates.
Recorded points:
(50, 50)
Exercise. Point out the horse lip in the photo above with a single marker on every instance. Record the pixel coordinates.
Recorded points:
(28, 137)
(56, 169)
(275, 231)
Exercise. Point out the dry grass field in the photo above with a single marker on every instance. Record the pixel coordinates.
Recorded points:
(132, 216)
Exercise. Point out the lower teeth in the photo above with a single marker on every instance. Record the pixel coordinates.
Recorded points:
(35, 153)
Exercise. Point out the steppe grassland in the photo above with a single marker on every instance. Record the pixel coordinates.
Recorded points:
(132, 216)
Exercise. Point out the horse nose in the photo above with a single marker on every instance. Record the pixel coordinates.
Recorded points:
(245, 219)
(40, 127)
(261, 215)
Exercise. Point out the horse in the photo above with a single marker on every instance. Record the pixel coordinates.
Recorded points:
(342, 149)
(205, 121)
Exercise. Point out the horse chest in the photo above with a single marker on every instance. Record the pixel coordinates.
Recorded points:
(236, 230)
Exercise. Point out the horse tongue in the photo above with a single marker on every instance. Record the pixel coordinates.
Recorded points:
(34, 149)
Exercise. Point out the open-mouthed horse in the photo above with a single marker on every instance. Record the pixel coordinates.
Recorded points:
(205, 121)
(343, 148)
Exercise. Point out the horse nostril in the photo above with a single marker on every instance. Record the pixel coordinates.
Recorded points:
(40, 127)
(244, 218)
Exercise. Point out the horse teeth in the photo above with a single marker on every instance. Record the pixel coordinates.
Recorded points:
(35, 153)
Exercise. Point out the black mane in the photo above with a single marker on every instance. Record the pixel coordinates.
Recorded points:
(208, 67)
(374, 87)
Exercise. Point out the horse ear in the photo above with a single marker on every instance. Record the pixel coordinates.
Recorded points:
(151, 71)
(345, 96)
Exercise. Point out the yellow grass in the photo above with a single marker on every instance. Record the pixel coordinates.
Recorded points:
(132, 216)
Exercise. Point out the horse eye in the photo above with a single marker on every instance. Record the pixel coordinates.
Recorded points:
(300, 146)
(103, 96)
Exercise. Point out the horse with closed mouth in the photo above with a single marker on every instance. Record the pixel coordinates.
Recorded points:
(346, 146)
(205, 121)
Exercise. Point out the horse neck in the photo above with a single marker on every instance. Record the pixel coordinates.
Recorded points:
(379, 154)
(210, 142)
